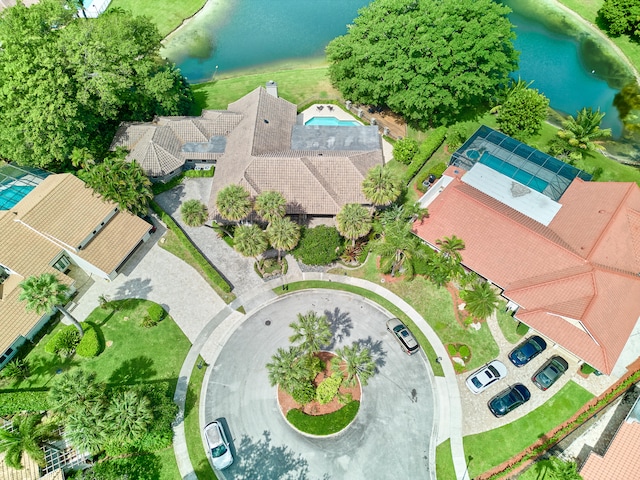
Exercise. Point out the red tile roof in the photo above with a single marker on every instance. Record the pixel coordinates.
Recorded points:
(621, 461)
(572, 279)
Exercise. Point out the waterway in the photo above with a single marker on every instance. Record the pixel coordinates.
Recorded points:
(571, 66)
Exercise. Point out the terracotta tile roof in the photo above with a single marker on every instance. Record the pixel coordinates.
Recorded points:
(58, 211)
(570, 287)
(621, 460)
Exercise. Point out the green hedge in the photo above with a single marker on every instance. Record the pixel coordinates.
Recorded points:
(319, 245)
(324, 424)
(209, 270)
(29, 401)
(199, 173)
(437, 170)
(91, 344)
(427, 148)
(65, 341)
(156, 312)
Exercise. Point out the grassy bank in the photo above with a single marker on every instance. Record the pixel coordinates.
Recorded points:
(297, 85)
(167, 15)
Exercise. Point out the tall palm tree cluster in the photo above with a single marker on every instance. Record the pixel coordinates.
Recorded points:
(295, 369)
(579, 135)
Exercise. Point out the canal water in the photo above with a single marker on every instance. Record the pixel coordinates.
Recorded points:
(572, 67)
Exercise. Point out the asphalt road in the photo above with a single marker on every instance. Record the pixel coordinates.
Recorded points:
(391, 435)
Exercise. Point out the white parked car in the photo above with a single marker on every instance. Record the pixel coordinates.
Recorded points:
(219, 450)
(486, 376)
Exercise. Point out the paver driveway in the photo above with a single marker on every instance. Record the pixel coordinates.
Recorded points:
(391, 435)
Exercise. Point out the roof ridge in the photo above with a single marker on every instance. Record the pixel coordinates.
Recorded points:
(321, 180)
(613, 216)
(586, 269)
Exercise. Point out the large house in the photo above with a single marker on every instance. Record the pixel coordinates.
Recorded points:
(565, 251)
(50, 224)
(261, 143)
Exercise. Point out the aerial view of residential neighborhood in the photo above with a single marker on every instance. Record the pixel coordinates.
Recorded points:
(355, 239)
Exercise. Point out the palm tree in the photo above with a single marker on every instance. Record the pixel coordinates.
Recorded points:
(481, 300)
(381, 186)
(450, 247)
(233, 203)
(194, 213)
(353, 221)
(358, 362)
(129, 415)
(88, 429)
(283, 234)
(27, 435)
(75, 390)
(286, 369)
(560, 470)
(398, 248)
(580, 135)
(45, 292)
(250, 241)
(313, 331)
(271, 205)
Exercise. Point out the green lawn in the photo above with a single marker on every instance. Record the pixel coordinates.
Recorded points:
(508, 325)
(516, 436)
(167, 15)
(327, 424)
(298, 85)
(192, 425)
(444, 462)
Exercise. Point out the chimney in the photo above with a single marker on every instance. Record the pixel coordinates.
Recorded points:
(272, 88)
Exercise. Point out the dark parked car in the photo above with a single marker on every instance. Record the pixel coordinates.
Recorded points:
(152, 228)
(403, 335)
(509, 399)
(527, 351)
(551, 371)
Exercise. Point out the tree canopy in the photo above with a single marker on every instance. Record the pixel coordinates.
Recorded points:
(621, 16)
(432, 61)
(67, 82)
(523, 112)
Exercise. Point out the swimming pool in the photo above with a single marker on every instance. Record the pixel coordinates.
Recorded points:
(332, 122)
(13, 194)
(514, 172)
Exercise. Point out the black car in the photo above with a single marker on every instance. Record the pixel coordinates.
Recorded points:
(527, 351)
(551, 371)
(509, 399)
(152, 228)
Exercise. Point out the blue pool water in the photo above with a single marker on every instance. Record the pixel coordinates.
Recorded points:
(332, 121)
(12, 195)
(514, 172)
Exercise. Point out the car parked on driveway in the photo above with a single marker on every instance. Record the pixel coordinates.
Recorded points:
(550, 372)
(481, 379)
(509, 399)
(527, 351)
(403, 335)
(218, 444)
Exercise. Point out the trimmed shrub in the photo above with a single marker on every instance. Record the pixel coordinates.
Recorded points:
(328, 389)
(320, 245)
(427, 149)
(437, 170)
(199, 173)
(23, 401)
(587, 369)
(64, 342)
(405, 150)
(17, 369)
(304, 393)
(522, 329)
(148, 322)
(464, 351)
(451, 348)
(156, 312)
(90, 345)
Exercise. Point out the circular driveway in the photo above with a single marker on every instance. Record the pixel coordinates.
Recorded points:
(391, 435)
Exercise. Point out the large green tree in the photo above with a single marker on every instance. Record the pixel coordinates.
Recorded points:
(358, 362)
(68, 82)
(271, 205)
(353, 221)
(580, 135)
(27, 435)
(621, 16)
(234, 202)
(45, 292)
(432, 61)
(250, 241)
(194, 213)
(399, 248)
(313, 331)
(523, 112)
(381, 186)
(482, 299)
(75, 390)
(283, 234)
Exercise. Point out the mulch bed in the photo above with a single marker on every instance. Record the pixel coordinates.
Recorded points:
(287, 402)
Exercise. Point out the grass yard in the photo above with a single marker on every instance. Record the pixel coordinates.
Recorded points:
(298, 85)
(444, 462)
(324, 424)
(167, 15)
(516, 436)
(136, 354)
(192, 425)
(508, 325)
(383, 302)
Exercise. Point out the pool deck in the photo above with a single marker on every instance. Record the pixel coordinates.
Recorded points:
(330, 110)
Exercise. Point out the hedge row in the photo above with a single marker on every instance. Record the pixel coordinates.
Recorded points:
(29, 401)
(199, 173)
(427, 148)
(91, 344)
(209, 271)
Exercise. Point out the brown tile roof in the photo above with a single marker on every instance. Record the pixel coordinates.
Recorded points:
(570, 287)
(59, 211)
(259, 157)
(621, 460)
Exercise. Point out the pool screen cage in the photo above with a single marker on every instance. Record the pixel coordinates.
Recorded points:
(519, 158)
(16, 182)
